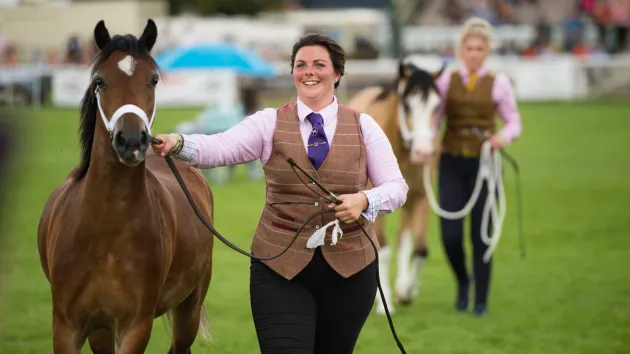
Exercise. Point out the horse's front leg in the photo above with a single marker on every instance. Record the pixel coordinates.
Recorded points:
(384, 258)
(135, 337)
(66, 337)
(413, 251)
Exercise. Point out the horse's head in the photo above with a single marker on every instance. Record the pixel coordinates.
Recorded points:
(124, 78)
(418, 98)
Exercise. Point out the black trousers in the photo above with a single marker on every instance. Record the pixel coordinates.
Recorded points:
(317, 312)
(457, 176)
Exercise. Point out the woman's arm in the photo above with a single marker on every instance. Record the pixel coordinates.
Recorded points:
(242, 143)
(389, 190)
(505, 98)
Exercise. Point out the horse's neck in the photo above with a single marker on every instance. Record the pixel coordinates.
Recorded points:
(109, 184)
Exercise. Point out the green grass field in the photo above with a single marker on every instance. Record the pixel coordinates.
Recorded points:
(570, 295)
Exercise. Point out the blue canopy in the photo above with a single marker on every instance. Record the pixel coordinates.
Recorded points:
(224, 55)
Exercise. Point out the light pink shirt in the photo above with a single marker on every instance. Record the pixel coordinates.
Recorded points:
(252, 138)
(502, 95)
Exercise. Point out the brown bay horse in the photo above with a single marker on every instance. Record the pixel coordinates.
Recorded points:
(118, 240)
(404, 110)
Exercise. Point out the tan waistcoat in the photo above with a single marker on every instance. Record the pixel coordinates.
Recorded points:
(343, 172)
(468, 112)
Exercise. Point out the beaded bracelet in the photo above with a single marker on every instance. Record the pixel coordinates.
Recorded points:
(179, 144)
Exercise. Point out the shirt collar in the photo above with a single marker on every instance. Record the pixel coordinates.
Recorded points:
(465, 73)
(329, 113)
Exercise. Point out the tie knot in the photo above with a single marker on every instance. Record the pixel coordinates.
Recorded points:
(472, 80)
(315, 118)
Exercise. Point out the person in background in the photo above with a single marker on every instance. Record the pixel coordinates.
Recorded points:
(472, 95)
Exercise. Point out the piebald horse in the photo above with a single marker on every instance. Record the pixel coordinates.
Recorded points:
(404, 110)
(118, 240)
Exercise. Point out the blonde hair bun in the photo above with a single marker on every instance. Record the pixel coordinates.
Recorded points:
(479, 27)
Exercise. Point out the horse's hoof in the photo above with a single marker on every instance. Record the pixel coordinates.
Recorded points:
(404, 301)
(406, 292)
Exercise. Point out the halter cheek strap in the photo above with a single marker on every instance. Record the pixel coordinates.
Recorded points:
(402, 118)
(128, 108)
(407, 135)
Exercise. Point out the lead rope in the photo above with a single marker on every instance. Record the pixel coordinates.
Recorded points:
(490, 170)
(332, 197)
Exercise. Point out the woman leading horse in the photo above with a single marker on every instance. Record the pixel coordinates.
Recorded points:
(316, 297)
(118, 240)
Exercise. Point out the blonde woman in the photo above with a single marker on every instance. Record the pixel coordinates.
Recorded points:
(472, 96)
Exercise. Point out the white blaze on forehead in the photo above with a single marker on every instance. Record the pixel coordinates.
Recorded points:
(127, 65)
(422, 112)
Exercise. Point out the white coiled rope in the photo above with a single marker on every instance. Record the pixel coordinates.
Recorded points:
(490, 171)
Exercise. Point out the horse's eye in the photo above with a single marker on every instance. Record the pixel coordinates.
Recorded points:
(99, 82)
(154, 80)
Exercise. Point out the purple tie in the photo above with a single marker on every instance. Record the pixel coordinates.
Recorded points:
(317, 143)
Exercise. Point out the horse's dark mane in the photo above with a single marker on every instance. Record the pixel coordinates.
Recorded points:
(419, 78)
(423, 80)
(120, 43)
(386, 89)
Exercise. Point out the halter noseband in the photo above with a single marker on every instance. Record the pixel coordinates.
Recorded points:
(128, 108)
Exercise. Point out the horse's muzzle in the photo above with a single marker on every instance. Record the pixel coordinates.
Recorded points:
(421, 151)
(131, 145)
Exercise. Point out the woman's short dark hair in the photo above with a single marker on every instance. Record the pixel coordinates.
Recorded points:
(337, 54)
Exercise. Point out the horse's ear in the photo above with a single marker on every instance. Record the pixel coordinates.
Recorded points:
(439, 73)
(149, 35)
(401, 69)
(101, 35)
(405, 69)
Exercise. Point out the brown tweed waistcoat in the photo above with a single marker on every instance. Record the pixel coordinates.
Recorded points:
(343, 171)
(467, 112)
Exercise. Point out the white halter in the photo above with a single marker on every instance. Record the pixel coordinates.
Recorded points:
(128, 108)
(317, 238)
(407, 135)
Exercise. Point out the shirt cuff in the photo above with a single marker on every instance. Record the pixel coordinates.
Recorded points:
(506, 139)
(374, 205)
(188, 149)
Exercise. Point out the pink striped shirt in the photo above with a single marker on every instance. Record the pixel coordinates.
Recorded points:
(502, 94)
(252, 138)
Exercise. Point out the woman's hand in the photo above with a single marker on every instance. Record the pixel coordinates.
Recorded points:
(497, 141)
(350, 210)
(168, 143)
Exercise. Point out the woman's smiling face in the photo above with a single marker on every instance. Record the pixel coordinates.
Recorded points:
(314, 74)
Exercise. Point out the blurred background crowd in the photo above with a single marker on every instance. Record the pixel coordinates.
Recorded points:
(541, 28)
(41, 41)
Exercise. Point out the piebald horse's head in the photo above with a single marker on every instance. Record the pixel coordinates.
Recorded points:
(418, 97)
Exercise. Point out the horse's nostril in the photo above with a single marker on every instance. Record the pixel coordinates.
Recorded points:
(144, 138)
(120, 139)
